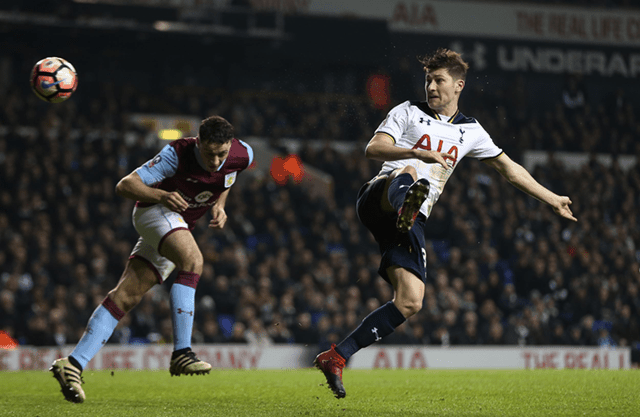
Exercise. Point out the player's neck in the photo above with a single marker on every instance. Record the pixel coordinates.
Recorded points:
(447, 110)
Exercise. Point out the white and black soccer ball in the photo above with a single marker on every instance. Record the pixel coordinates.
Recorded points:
(54, 79)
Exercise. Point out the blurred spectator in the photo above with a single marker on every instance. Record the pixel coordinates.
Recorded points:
(496, 334)
(279, 332)
(256, 334)
(303, 332)
(211, 331)
(558, 335)
(238, 334)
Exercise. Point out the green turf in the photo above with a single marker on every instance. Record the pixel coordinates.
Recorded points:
(302, 393)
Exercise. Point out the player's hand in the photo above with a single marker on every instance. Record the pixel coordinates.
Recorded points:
(561, 207)
(219, 218)
(433, 157)
(174, 202)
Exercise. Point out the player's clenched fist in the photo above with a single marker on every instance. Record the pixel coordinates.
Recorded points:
(174, 202)
(219, 218)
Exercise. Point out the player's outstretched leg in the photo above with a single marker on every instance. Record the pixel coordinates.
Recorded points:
(416, 195)
(331, 364)
(185, 362)
(70, 379)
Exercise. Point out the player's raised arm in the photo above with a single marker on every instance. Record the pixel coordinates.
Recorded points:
(520, 178)
(133, 188)
(382, 148)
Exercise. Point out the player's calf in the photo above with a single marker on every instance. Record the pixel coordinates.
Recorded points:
(70, 379)
(185, 362)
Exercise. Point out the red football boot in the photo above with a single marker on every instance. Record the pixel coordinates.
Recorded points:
(331, 364)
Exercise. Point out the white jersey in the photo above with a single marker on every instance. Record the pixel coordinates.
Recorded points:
(413, 125)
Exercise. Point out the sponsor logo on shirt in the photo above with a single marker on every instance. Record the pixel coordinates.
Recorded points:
(203, 196)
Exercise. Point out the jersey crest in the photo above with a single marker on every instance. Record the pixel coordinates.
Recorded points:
(230, 179)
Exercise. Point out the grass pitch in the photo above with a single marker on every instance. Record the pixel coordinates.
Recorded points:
(302, 392)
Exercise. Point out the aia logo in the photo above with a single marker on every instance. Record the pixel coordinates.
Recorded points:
(425, 143)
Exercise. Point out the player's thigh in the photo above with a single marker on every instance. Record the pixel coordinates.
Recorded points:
(138, 278)
(407, 169)
(408, 290)
(369, 207)
(181, 248)
(165, 240)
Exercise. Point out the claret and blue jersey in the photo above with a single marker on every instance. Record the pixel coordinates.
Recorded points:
(179, 167)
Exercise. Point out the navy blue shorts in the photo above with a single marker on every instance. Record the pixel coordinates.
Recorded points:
(405, 250)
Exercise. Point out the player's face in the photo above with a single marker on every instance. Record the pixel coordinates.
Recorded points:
(213, 154)
(442, 90)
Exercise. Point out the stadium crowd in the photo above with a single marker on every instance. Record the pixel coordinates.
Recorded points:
(291, 267)
(568, 120)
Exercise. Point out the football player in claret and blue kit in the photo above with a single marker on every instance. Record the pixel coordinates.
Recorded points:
(420, 145)
(172, 191)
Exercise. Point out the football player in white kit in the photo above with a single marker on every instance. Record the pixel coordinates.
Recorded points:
(420, 144)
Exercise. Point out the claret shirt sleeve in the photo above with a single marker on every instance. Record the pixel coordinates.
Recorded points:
(163, 165)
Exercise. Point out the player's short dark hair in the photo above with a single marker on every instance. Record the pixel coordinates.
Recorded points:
(447, 59)
(215, 129)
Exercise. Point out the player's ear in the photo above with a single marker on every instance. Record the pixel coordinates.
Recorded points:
(459, 85)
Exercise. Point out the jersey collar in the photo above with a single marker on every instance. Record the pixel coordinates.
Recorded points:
(451, 119)
(422, 105)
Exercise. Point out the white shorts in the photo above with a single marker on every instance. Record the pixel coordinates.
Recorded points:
(154, 224)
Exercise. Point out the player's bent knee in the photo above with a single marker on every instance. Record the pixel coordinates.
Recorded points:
(192, 263)
(409, 307)
(124, 300)
(409, 170)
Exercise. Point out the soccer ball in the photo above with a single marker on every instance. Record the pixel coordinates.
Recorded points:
(53, 79)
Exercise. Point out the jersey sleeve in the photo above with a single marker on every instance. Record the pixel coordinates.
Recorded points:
(249, 151)
(163, 165)
(395, 123)
(485, 148)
